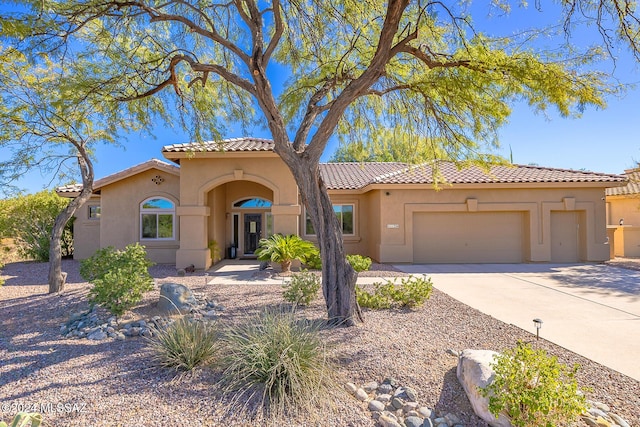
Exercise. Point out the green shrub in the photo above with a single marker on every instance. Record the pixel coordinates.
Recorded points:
(302, 288)
(382, 297)
(280, 361)
(120, 278)
(185, 344)
(412, 292)
(359, 262)
(534, 389)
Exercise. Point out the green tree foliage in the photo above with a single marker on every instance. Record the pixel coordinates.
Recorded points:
(119, 278)
(392, 147)
(50, 119)
(29, 219)
(352, 68)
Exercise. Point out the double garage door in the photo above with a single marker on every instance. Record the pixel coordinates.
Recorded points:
(468, 237)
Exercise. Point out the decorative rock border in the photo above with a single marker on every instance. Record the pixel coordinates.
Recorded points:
(97, 324)
(393, 405)
(600, 415)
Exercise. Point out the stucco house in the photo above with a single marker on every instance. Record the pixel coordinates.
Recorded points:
(238, 191)
(623, 216)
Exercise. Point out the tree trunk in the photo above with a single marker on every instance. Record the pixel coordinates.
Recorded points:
(56, 277)
(338, 277)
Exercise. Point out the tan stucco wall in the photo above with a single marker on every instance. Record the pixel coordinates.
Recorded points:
(384, 229)
(86, 231)
(120, 221)
(241, 176)
(626, 238)
(537, 204)
(623, 207)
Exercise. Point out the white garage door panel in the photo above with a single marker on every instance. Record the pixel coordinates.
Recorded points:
(468, 237)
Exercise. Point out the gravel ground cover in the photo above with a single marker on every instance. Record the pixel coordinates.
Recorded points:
(112, 383)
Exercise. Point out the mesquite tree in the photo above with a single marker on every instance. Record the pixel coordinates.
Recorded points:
(308, 70)
(47, 119)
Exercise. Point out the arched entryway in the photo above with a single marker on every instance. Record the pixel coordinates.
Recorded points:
(252, 220)
(240, 216)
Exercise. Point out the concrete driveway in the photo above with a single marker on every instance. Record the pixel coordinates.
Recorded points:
(591, 309)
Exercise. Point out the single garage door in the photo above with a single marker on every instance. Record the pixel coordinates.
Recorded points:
(468, 237)
(565, 236)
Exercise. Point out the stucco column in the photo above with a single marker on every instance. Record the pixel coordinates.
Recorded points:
(285, 218)
(193, 237)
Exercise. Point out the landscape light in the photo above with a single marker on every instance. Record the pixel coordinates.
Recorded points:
(538, 324)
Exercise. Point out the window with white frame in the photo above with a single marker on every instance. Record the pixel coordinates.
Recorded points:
(344, 213)
(157, 219)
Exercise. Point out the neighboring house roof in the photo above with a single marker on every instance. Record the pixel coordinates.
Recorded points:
(72, 190)
(632, 187)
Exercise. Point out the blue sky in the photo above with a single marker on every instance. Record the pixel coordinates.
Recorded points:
(603, 140)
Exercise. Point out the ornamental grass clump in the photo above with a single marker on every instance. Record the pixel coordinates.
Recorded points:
(533, 389)
(185, 344)
(279, 364)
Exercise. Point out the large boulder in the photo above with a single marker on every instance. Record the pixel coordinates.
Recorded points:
(175, 297)
(475, 372)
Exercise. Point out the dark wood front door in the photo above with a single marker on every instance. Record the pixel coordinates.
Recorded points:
(252, 232)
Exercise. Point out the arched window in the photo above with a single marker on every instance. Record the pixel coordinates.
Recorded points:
(255, 202)
(157, 219)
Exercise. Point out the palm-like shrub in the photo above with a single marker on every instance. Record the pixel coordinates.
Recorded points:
(284, 249)
(185, 344)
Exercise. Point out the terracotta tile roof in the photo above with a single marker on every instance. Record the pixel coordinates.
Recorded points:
(352, 176)
(632, 187)
(234, 144)
(69, 188)
(449, 172)
(73, 189)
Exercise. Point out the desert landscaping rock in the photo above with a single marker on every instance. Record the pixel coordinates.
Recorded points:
(175, 297)
(474, 373)
(119, 385)
(97, 324)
